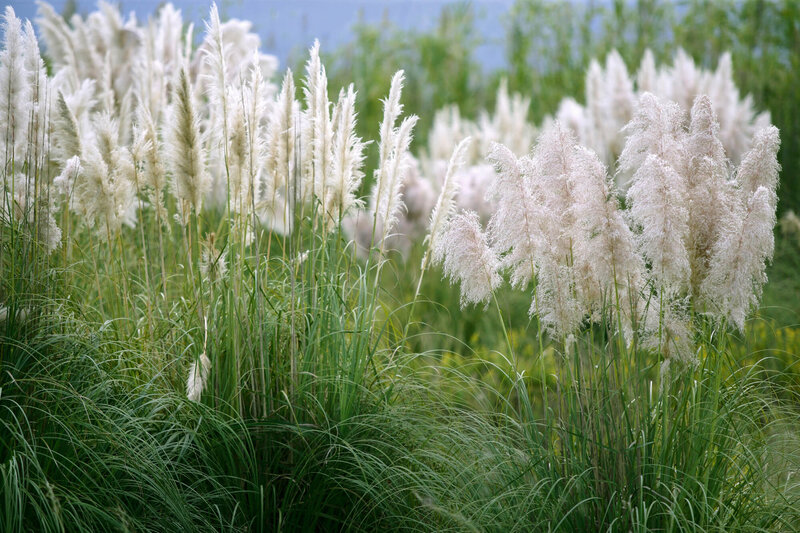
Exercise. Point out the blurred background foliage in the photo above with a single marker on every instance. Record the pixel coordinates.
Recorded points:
(548, 46)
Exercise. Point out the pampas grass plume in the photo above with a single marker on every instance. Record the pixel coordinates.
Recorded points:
(198, 377)
(445, 204)
(467, 258)
(190, 180)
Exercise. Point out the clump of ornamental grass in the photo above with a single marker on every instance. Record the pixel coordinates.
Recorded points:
(268, 320)
(691, 243)
(622, 288)
(207, 126)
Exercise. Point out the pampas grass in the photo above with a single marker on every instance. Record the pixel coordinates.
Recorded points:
(255, 369)
(467, 259)
(190, 180)
(689, 219)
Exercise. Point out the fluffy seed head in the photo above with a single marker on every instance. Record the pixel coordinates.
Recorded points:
(445, 205)
(198, 377)
(467, 259)
(657, 200)
(190, 180)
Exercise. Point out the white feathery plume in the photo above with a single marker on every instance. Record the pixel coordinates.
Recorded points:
(149, 73)
(419, 198)
(126, 116)
(106, 135)
(552, 162)
(447, 128)
(278, 215)
(66, 137)
(620, 103)
(63, 185)
(185, 52)
(103, 198)
(759, 166)
(122, 41)
(309, 133)
(117, 157)
(596, 112)
(572, 115)
(281, 131)
(474, 182)
(668, 330)
(237, 151)
(736, 274)
(684, 80)
(190, 180)
(514, 228)
(105, 85)
(324, 179)
(118, 163)
(65, 181)
(348, 158)
(391, 110)
(256, 104)
(390, 203)
(147, 150)
(79, 97)
(48, 232)
(657, 209)
(709, 193)
(508, 126)
(467, 258)
(214, 58)
(37, 85)
(220, 113)
(610, 98)
(555, 301)
(239, 45)
(57, 34)
(87, 60)
(548, 176)
(213, 263)
(647, 77)
(198, 377)
(738, 120)
(200, 369)
(445, 204)
(21, 201)
(656, 128)
(604, 249)
(168, 56)
(703, 138)
(278, 186)
(14, 90)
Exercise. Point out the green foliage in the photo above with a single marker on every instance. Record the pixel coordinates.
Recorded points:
(326, 410)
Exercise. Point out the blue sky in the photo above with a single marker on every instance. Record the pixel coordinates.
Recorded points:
(290, 25)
